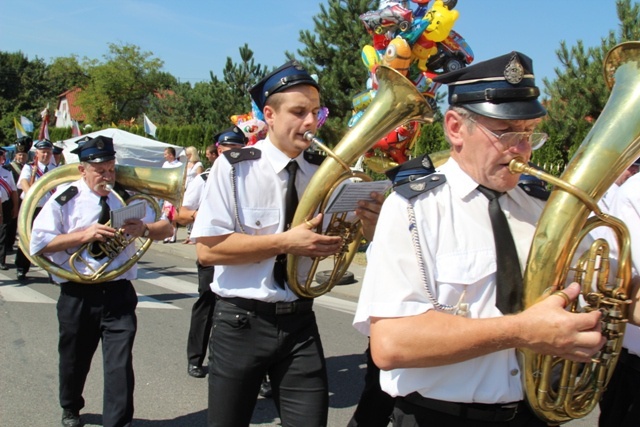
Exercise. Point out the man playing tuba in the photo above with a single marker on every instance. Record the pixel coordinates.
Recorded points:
(77, 217)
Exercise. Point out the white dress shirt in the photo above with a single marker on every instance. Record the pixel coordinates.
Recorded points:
(261, 186)
(77, 214)
(626, 207)
(458, 249)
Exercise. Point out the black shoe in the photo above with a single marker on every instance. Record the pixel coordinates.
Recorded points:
(3, 267)
(70, 418)
(22, 277)
(196, 371)
(265, 388)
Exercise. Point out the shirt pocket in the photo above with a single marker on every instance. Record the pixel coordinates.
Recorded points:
(261, 221)
(467, 268)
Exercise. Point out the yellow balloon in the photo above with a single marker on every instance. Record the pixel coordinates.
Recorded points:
(370, 57)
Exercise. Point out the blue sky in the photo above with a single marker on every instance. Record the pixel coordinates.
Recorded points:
(195, 37)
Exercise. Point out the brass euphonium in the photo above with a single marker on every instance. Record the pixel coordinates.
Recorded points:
(397, 101)
(146, 182)
(559, 390)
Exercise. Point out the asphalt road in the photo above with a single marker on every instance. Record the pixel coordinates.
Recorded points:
(165, 395)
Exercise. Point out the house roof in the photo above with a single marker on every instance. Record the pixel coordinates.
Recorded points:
(75, 111)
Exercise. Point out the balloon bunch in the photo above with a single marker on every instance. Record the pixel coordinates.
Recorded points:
(252, 124)
(419, 44)
(255, 128)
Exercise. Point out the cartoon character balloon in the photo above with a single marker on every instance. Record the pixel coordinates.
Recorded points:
(419, 44)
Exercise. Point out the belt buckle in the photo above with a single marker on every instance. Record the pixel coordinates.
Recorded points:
(512, 408)
(285, 307)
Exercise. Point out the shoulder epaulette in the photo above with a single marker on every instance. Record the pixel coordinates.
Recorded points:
(67, 195)
(204, 175)
(314, 157)
(237, 155)
(411, 170)
(535, 189)
(122, 192)
(413, 188)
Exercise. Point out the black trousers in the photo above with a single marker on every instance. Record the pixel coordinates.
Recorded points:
(620, 403)
(245, 346)
(375, 406)
(406, 414)
(87, 315)
(22, 262)
(6, 242)
(201, 317)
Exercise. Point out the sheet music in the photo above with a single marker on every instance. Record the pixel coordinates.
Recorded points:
(347, 198)
(119, 216)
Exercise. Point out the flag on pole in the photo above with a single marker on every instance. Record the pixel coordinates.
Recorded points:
(149, 128)
(75, 128)
(20, 132)
(44, 127)
(26, 124)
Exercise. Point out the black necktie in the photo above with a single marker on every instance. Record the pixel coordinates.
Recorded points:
(105, 214)
(46, 169)
(509, 291)
(290, 205)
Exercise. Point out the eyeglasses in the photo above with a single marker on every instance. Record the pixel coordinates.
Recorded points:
(511, 139)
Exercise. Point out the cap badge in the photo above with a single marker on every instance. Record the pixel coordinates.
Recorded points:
(514, 72)
(99, 145)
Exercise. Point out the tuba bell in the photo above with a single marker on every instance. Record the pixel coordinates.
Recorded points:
(559, 390)
(167, 183)
(397, 101)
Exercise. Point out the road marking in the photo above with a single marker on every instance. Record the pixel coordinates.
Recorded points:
(338, 304)
(22, 293)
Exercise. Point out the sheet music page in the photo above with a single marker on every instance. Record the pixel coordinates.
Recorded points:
(119, 216)
(347, 198)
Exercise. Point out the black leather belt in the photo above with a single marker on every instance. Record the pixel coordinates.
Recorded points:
(271, 308)
(497, 412)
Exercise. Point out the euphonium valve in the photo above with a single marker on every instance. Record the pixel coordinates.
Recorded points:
(397, 101)
(559, 390)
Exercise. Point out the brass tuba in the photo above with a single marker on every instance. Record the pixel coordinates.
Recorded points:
(397, 101)
(167, 183)
(559, 390)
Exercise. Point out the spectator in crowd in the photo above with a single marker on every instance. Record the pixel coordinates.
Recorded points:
(9, 212)
(42, 164)
(194, 168)
(168, 209)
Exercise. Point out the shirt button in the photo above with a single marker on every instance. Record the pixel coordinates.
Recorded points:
(514, 372)
(258, 223)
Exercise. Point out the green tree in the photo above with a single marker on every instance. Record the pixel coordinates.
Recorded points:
(332, 51)
(577, 96)
(123, 86)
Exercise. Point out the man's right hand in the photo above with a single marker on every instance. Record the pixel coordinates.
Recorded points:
(304, 241)
(548, 328)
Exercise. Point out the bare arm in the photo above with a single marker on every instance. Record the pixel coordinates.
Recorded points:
(435, 338)
(238, 248)
(186, 216)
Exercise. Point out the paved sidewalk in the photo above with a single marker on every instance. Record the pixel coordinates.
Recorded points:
(349, 292)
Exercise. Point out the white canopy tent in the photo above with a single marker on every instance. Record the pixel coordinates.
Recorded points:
(131, 149)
